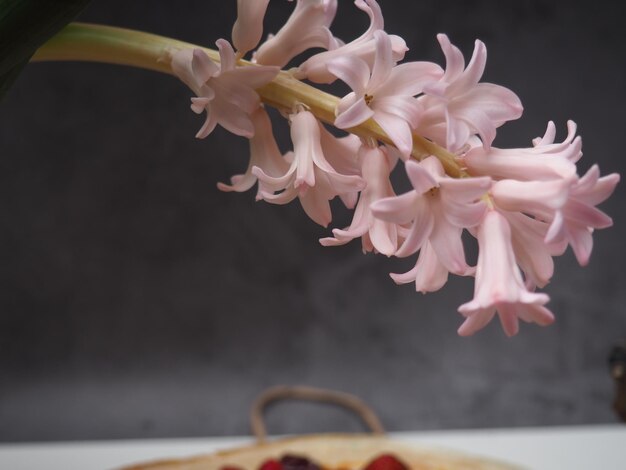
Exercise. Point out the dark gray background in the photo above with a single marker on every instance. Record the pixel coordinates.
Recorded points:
(136, 300)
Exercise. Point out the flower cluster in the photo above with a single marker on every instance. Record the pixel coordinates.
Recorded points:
(524, 206)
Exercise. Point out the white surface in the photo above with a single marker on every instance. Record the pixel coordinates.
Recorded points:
(560, 448)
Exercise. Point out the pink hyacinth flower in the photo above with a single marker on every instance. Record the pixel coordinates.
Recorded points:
(437, 209)
(315, 68)
(579, 217)
(248, 27)
(226, 92)
(264, 153)
(384, 93)
(309, 177)
(375, 234)
(456, 106)
(306, 28)
(546, 160)
(499, 287)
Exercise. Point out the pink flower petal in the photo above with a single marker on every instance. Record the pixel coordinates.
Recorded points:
(199, 105)
(408, 79)
(471, 75)
(536, 197)
(227, 55)
(406, 108)
(532, 254)
(357, 113)
(455, 63)
(582, 244)
(316, 206)
(398, 209)
(428, 274)
(209, 125)
(398, 131)
(475, 120)
(447, 244)
(383, 61)
(423, 222)
(497, 102)
(202, 68)
(352, 70)
(233, 119)
(420, 178)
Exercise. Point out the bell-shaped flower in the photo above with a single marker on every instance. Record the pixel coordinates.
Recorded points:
(375, 234)
(363, 47)
(499, 287)
(226, 92)
(309, 177)
(248, 27)
(579, 217)
(456, 106)
(264, 154)
(383, 93)
(437, 209)
(306, 28)
(546, 160)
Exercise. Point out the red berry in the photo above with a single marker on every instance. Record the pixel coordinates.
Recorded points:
(271, 464)
(386, 462)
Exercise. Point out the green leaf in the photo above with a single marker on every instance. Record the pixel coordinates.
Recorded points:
(24, 26)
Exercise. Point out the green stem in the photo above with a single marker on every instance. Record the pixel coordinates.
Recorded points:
(97, 43)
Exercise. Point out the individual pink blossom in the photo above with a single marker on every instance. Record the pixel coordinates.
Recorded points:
(226, 92)
(456, 106)
(306, 28)
(248, 27)
(546, 160)
(315, 68)
(437, 209)
(384, 93)
(309, 177)
(579, 217)
(264, 154)
(375, 234)
(499, 287)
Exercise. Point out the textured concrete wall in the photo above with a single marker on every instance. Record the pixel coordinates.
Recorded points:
(136, 300)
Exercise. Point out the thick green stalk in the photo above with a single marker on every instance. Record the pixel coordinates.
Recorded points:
(87, 42)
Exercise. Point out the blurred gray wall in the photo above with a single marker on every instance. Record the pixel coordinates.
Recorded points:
(136, 300)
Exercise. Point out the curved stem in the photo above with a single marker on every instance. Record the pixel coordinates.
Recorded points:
(98, 43)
